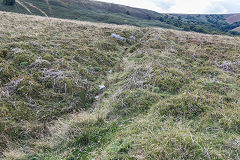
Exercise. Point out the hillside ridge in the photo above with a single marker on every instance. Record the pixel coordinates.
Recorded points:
(96, 11)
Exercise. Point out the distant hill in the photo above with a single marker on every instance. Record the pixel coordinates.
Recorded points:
(231, 18)
(95, 11)
(237, 29)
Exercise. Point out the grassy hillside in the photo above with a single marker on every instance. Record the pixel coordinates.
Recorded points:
(169, 94)
(231, 18)
(237, 29)
(94, 11)
(86, 10)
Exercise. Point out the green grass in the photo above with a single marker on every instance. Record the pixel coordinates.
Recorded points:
(172, 94)
(77, 10)
(95, 11)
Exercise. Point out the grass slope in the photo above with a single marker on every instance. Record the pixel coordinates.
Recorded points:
(237, 29)
(233, 18)
(94, 11)
(172, 94)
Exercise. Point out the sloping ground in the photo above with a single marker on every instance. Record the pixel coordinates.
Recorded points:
(95, 11)
(115, 8)
(233, 18)
(237, 29)
(88, 10)
(172, 95)
(50, 68)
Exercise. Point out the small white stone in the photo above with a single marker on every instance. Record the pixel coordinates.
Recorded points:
(97, 97)
(101, 87)
(113, 35)
(132, 38)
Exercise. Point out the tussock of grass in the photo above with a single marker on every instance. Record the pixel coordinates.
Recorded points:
(226, 118)
(131, 103)
(187, 105)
